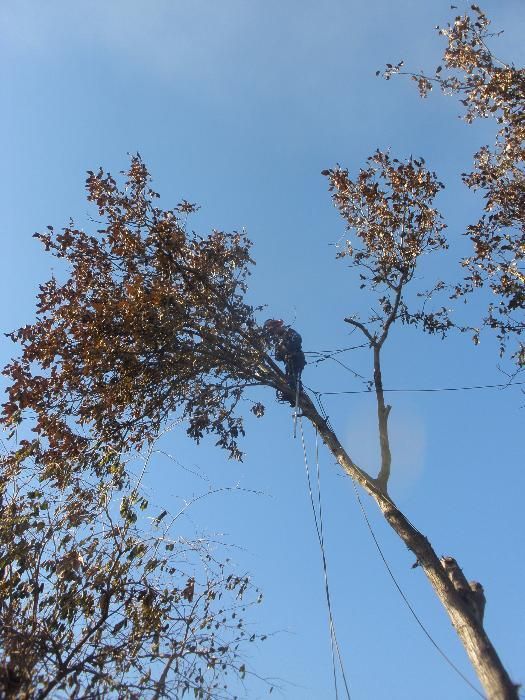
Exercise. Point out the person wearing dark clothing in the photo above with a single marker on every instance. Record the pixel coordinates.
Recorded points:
(288, 349)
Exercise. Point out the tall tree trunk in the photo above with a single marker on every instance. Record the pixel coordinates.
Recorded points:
(463, 601)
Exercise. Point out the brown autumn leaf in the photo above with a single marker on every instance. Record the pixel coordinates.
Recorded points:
(392, 221)
(490, 88)
(149, 324)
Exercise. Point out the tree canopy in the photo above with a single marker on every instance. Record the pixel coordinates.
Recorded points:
(489, 88)
(150, 324)
(95, 604)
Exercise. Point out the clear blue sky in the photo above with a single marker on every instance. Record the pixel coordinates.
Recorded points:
(238, 105)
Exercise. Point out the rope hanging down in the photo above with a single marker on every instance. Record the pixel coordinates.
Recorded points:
(318, 520)
(405, 599)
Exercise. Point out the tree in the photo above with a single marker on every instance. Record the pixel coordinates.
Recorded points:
(91, 601)
(93, 604)
(152, 323)
(489, 88)
(389, 206)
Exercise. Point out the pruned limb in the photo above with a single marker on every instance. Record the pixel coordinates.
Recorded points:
(471, 591)
(362, 328)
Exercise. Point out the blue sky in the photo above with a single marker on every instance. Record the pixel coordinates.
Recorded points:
(238, 105)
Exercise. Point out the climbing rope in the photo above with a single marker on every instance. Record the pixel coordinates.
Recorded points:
(318, 521)
(405, 599)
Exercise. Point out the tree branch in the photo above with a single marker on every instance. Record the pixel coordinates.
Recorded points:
(464, 611)
(362, 328)
(393, 314)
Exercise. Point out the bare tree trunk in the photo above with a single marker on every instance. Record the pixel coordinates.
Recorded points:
(383, 412)
(463, 601)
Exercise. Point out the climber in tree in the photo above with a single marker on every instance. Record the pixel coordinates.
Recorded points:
(288, 349)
